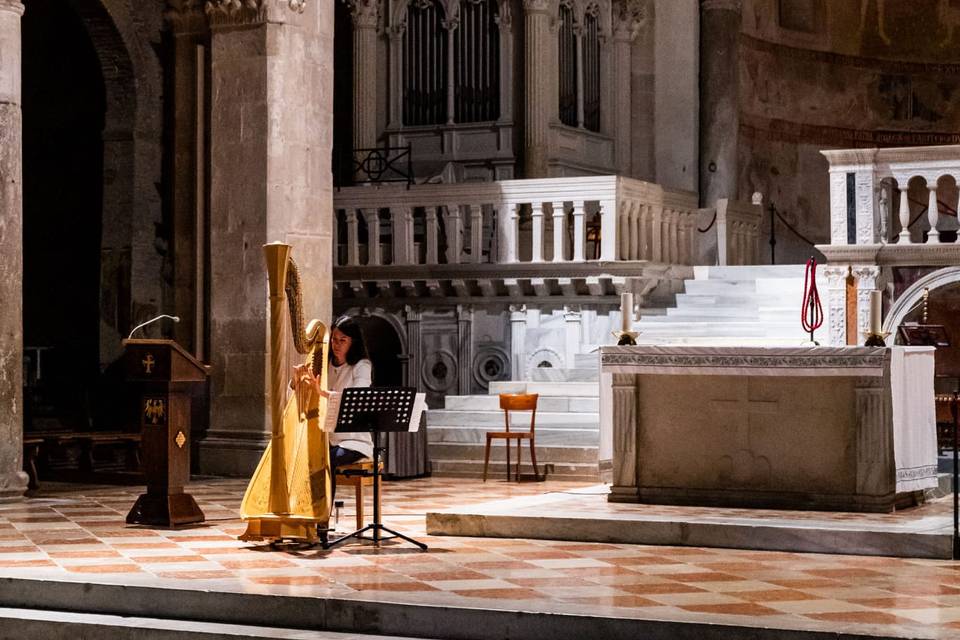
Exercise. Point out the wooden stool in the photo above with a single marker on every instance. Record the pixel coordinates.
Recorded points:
(358, 475)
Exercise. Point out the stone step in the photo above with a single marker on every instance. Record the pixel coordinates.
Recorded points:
(559, 437)
(553, 374)
(772, 286)
(29, 624)
(749, 272)
(544, 404)
(545, 419)
(498, 470)
(473, 452)
(590, 360)
(546, 388)
(732, 300)
(728, 311)
(727, 341)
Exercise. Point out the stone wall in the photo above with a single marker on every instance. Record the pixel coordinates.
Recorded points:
(815, 75)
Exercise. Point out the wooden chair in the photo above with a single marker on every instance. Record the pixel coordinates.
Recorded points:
(515, 402)
(358, 475)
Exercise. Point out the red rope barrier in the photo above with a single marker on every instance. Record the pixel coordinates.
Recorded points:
(811, 313)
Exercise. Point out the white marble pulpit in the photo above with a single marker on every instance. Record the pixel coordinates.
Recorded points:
(838, 428)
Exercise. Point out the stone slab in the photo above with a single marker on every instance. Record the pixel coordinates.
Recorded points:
(357, 615)
(583, 517)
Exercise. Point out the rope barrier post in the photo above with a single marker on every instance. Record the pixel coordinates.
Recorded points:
(773, 234)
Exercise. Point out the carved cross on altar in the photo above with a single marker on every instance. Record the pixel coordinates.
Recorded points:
(743, 413)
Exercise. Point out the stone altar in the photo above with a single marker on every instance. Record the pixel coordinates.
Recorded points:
(838, 428)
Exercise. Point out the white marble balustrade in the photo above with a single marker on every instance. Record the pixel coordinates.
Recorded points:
(568, 220)
(898, 196)
(738, 232)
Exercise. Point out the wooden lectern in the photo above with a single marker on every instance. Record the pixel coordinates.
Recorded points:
(164, 373)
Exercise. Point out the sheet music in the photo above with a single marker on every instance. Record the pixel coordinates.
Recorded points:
(419, 405)
(333, 412)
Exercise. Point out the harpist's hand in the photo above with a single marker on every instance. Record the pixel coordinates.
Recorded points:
(304, 378)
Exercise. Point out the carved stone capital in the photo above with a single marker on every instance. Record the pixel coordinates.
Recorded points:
(12, 6)
(866, 276)
(630, 17)
(185, 16)
(538, 6)
(365, 13)
(504, 18)
(251, 12)
(836, 276)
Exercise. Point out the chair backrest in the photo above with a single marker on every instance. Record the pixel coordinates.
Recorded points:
(519, 402)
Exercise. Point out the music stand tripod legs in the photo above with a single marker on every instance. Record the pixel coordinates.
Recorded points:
(376, 527)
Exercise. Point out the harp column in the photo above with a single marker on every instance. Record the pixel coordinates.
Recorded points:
(13, 481)
(270, 181)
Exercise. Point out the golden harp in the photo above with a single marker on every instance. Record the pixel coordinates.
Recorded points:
(289, 493)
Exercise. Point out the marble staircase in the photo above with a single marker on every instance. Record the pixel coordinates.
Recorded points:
(731, 306)
(568, 426)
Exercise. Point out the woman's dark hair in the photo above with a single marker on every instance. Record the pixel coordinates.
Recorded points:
(358, 348)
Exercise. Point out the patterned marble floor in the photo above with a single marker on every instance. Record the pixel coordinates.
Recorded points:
(72, 532)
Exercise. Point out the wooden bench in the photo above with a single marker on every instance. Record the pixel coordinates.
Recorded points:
(359, 475)
(46, 442)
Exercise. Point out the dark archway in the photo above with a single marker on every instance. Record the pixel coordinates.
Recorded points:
(64, 107)
(385, 349)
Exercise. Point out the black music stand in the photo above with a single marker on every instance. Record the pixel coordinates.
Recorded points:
(375, 411)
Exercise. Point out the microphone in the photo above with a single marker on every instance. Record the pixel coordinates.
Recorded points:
(151, 321)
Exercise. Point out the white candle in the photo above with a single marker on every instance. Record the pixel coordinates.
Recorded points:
(626, 312)
(875, 302)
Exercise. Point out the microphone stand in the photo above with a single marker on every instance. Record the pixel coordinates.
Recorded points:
(151, 321)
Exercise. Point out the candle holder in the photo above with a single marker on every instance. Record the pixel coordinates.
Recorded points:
(875, 339)
(628, 338)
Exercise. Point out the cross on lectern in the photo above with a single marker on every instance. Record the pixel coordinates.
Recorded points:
(742, 413)
(148, 363)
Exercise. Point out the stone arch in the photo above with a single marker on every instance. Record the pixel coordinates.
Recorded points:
(912, 296)
(380, 320)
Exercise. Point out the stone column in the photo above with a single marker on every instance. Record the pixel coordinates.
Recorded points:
(364, 14)
(13, 481)
(836, 314)
(540, 52)
(186, 187)
(628, 19)
(270, 72)
(464, 348)
(719, 99)
(867, 277)
(518, 341)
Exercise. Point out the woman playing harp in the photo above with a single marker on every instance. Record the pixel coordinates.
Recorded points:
(288, 497)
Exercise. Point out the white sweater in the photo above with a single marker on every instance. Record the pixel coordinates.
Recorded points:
(340, 378)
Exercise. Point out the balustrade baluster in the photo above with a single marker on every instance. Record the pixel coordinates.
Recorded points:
(559, 227)
(933, 214)
(372, 216)
(631, 239)
(578, 221)
(643, 238)
(430, 220)
(609, 230)
(904, 214)
(476, 233)
(656, 233)
(454, 234)
(353, 242)
(672, 237)
(537, 215)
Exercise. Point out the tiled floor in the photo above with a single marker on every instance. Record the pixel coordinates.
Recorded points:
(74, 532)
